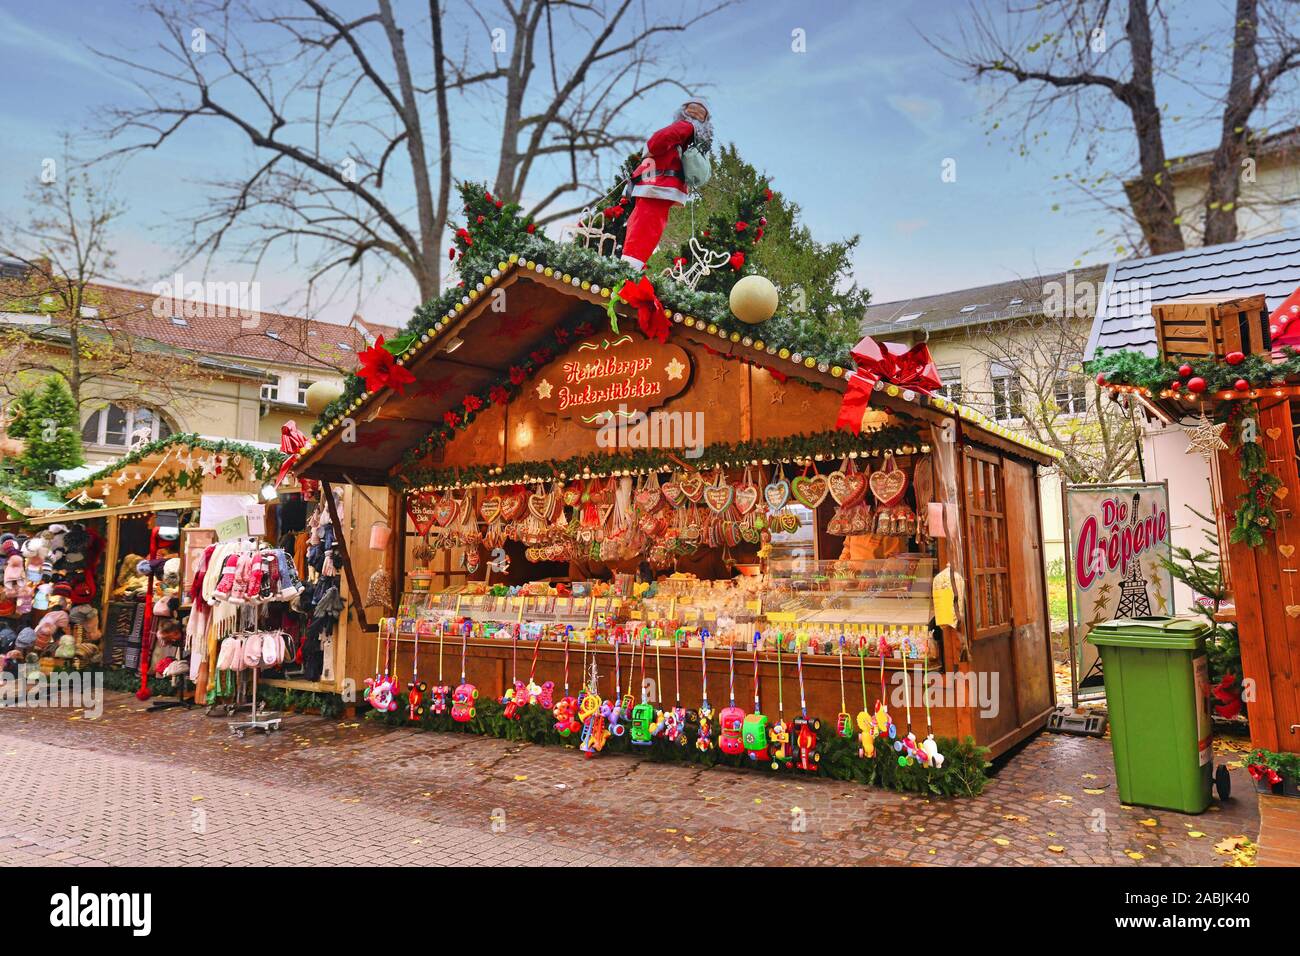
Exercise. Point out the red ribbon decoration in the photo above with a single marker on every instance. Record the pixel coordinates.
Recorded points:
(640, 294)
(884, 362)
(1261, 771)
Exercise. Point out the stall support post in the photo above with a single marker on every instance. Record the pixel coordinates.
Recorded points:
(357, 599)
(1069, 593)
(396, 544)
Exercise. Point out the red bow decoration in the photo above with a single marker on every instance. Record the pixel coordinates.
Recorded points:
(379, 368)
(292, 441)
(884, 362)
(1260, 771)
(640, 294)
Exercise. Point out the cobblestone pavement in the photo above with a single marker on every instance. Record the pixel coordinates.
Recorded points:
(173, 787)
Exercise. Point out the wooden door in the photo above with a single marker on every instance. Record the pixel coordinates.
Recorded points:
(1031, 628)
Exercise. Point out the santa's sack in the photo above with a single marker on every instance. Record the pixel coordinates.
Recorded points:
(696, 167)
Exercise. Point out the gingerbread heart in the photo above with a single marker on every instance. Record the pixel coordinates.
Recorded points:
(572, 495)
(489, 509)
(789, 522)
(777, 494)
(512, 505)
(1286, 550)
(649, 498)
(539, 506)
(1274, 433)
(692, 486)
(846, 489)
(745, 498)
(672, 493)
(719, 497)
(445, 511)
(1293, 610)
(810, 490)
(888, 486)
(1282, 492)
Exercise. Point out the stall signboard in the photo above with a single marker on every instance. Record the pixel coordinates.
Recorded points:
(609, 375)
(1119, 536)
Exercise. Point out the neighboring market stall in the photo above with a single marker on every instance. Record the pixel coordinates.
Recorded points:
(546, 539)
(1229, 373)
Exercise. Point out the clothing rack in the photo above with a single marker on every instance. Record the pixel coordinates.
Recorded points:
(247, 619)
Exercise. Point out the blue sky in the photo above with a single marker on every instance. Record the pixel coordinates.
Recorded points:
(855, 129)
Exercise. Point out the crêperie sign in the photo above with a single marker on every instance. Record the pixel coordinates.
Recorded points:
(612, 376)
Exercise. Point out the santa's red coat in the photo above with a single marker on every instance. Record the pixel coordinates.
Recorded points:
(659, 175)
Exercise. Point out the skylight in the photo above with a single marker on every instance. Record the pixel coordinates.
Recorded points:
(178, 320)
(910, 317)
(345, 346)
(969, 308)
(272, 334)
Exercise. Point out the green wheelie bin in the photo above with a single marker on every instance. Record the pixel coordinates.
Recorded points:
(1157, 693)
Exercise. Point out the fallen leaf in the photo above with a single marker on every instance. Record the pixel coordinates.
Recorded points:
(1056, 849)
(1229, 844)
(1134, 855)
(1019, 817)
(1195, 834)
(521, 776)
(1002, 841)
(671, 830)
(1093, 790)
(1089, 776)
(1149, 822)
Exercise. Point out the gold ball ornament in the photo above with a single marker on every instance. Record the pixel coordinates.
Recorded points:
(320, 394)
(753, 299)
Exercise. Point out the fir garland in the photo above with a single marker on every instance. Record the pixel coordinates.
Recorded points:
(797, 448)
(1156, 375)
(1255, 517)
(963, 774)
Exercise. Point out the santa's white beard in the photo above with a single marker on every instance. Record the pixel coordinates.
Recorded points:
(703, 130)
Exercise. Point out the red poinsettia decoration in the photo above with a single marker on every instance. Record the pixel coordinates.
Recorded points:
(531, 228)
(472, 403)
(380, 369)
(649, 310)
(517, 375)
(742, 226)
(737, 260)
(498, 395)
(451, 418)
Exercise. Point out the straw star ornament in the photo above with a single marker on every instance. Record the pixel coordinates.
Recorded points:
(1206, 438)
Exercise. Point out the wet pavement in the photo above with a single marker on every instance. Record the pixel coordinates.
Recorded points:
(133, 787)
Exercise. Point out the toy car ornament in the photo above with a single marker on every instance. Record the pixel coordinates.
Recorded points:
(440, 692)
(463, 697)
(754, 726)
(704, 716)
(731, 718)
(806, 756)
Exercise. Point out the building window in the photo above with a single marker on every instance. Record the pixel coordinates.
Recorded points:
(303, 385)
(1071, 394)
(1006, 402)
(950, 376)
(271, 391)
(116, 427)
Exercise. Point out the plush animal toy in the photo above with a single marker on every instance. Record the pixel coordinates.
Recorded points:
(440, 695)
(778, 736)
(931, 750)
(566, 717)
(866, 735)
(884, 723)
(462, 703)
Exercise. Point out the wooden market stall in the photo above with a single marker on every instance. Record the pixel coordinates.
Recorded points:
(1236, 390)
(498, 441)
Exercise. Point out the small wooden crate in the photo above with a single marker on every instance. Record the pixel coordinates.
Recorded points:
(1212, 326)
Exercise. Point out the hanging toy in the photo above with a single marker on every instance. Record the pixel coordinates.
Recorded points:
(704, 736)
(929, 746)
(595, 733)
(462, 700)
(381, 690)
(566, 708)
(805, 730)
(642, 719)
(516, 697)
(906, 747)
(884, 723)
(441, 691)
(866, 724)
(732, 719)
(674, 720)
(755, 724)
(417, 688)
(843, 722)
(779, 733)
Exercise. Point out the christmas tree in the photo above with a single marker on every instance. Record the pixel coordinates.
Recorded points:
(610, 212)
(491, 224)
(51, 433)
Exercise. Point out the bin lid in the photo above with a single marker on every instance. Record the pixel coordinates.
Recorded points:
(1185, 632)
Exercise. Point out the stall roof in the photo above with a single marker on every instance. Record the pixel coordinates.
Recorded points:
(1268, 264)
(474, 345)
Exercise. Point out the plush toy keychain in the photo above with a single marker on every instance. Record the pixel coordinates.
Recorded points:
(704, 737)
(566, 708)
(779, 733)
(805, 730)
(675, 720)
(732, 718)
(866, 725)
(755, 724)
(462, 700)
(416, 689)
(843, 723)
(441, 692)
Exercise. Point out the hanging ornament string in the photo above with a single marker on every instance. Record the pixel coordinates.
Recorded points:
(862, 669)
(568, 630)
(907, 681)
(757, 638)
(843, 706)
(442, 633)
(704, 667)
(464, 647)
(803, 702)
(677, 668)
(731, 673)
(925, 677)
(780, 689)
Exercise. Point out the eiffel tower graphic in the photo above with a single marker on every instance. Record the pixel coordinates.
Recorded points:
(1133, 599)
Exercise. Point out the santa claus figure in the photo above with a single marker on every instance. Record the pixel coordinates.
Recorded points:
(659, 182)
